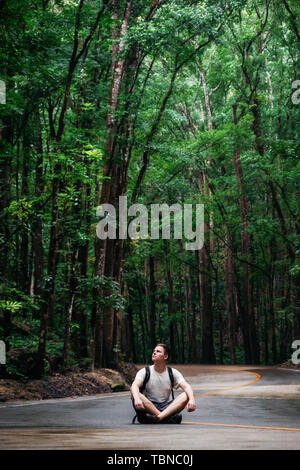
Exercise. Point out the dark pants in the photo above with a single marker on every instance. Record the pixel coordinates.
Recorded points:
(161, 406)
(142, 415)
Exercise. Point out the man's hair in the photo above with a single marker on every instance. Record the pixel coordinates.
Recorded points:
(166, 348)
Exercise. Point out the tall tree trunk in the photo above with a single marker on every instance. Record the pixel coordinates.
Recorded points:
(255, 109)
(206, 313)
(142, 318)
(230, 295)
(24, 276)
(193, 318)
(47, 308)
(205, 294)
(130, 353)
(152, 309)
(80, 315)
(187, 314)
(6, 138)
(173, 355)
(37, 234)
(273, 253)
(81, 336)
(248, 320)
(69, 313)
(111, 188)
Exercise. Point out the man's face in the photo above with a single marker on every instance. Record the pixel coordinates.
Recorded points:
(159, 354)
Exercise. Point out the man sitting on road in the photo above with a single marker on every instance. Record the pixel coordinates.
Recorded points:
(154, 404)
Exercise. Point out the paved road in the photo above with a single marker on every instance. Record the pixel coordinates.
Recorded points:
(237, 408)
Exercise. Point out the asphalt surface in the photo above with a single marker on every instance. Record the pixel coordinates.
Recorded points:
(237, 408)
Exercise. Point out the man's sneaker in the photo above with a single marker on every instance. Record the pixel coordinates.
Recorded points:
(174, 419)
(151, 419)
(145, 418)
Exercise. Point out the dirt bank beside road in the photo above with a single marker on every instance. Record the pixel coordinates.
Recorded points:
(69, 384)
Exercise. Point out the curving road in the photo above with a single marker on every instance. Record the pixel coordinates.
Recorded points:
(247, 408)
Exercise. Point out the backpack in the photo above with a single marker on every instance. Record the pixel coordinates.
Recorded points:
(146, 379)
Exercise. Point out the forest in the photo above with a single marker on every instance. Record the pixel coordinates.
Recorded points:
(165, 102)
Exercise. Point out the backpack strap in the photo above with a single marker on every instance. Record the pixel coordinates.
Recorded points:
(171, 379)
(146, 379)
(133, 421)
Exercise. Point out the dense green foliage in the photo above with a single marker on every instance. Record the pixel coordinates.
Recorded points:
(204, 112)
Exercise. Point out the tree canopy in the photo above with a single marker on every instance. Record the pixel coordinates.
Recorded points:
(165, 102)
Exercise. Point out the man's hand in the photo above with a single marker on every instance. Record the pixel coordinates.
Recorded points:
(191, 406)
(135, 395)
(138, 404)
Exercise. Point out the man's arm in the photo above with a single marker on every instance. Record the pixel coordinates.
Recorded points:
(191, 405)
(135, 393)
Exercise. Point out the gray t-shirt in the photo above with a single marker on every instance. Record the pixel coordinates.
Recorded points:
(158, 387)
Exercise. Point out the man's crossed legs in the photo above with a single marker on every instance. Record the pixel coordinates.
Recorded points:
(166, 412)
